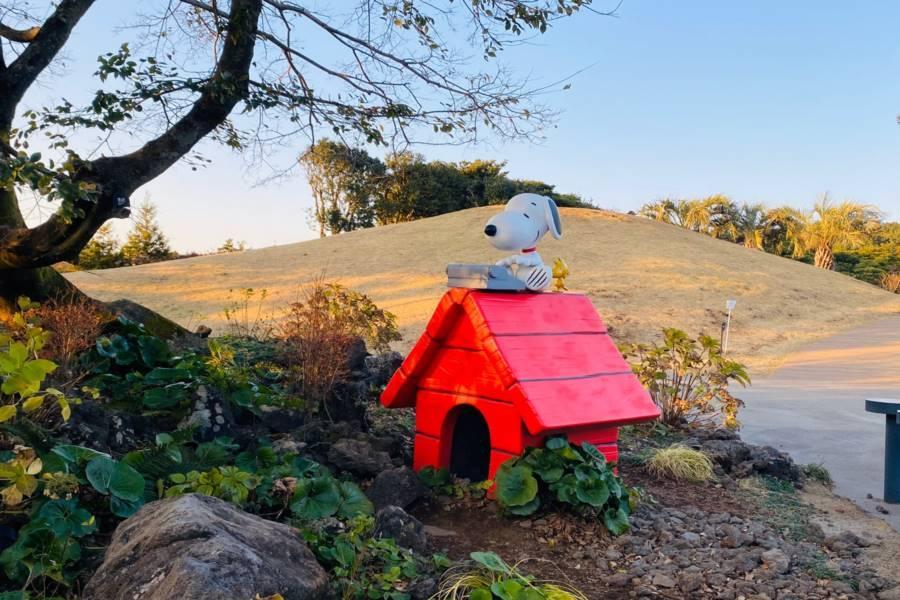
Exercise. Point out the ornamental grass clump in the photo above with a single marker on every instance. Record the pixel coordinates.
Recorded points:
(681, 463)
(487, 577)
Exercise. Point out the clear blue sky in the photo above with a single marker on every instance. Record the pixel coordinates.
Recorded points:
(765, 101)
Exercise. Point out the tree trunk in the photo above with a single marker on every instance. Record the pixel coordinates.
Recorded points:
(38, 284)
(824, 258)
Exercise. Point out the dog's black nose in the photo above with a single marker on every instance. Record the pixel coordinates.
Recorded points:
(490, 230)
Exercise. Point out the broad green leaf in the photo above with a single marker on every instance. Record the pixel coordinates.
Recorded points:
(490, 561)
(18, 352)
(616, 520)
(76, 455)
(167, 375)
(154, 351)
(123, 508)
(526, 509)
(556, 443)
(353, 501)
(163, 397)
(127, 483)
(99, 473)
(316, 498)
(507, 589)
(516, 486)
(481, 594)
(592, 491)
(37, 369)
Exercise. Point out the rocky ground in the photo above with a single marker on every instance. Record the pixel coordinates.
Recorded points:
(760, 530)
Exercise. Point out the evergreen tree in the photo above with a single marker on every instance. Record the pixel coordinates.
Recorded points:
(146, 243)
(102, 252)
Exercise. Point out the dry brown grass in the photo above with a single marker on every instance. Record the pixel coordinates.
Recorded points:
(642, 276)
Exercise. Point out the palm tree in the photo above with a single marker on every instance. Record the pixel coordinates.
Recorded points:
(783, 226)
(749, 225)
(834, 226)
(711, 215)
(663, 211)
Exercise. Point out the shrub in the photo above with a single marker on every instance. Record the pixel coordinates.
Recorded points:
(891, 282)
(487, 576)
(321, 328)
(818, 472)
(681, 464)
(688, 379)
(578, 477)
(75, 323)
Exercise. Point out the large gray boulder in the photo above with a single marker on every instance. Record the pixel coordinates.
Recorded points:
(196, 547)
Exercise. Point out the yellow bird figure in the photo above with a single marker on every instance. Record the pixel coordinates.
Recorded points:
(560, 272)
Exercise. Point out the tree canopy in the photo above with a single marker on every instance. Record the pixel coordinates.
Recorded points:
(239, 72)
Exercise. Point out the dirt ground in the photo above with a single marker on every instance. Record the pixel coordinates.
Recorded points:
(641, 275)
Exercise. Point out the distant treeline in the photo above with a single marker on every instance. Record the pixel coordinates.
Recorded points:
(848, 237)
(354, 190)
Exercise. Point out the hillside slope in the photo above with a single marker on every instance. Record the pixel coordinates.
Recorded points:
(642, 276)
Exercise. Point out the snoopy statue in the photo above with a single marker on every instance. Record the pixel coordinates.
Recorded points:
(526, 219)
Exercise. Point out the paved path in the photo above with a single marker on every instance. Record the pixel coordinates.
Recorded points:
(812, 407)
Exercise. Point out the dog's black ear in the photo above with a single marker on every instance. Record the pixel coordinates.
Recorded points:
(553, 220)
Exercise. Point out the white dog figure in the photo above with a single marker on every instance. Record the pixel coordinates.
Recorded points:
(526, 219)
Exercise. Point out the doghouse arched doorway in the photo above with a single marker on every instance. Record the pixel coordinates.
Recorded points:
(470, 449)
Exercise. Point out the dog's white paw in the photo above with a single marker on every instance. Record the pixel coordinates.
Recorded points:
(536, 279)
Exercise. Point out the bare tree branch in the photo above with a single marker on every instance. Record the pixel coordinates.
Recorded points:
(52, 35)
(61, 239)
(25, 36)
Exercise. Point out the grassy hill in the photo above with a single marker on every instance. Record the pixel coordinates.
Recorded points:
(642, 276)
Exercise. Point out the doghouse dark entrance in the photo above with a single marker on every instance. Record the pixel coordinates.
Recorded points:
(471, 451)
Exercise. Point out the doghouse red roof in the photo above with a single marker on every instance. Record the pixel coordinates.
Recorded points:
(551, 352)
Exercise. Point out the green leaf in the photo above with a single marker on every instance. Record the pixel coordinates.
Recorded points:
(154, 351)
(76, 455)
(516, 486)
(616, 520)
(163, 397)
(481, 594)
(126, 483)
(592, 491)
(37, 369)
(557, 443)
(316, 498)
(526, 509)
(99, 473)
(353, 501)
(490, 561)
(507, 589)
(123, 508)
(167, 375)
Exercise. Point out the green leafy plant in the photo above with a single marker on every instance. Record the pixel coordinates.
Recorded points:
(325, 496)
(681, 463)
(23, 371)
(364, 567)
(47, 547)
(227, 483)
(489, 577)
(574, 476)
(688, 378)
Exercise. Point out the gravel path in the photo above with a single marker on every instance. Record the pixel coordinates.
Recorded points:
(812, 407)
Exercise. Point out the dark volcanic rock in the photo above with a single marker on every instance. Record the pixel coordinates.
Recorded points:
(393, 522)
(201, 548)
(358, 457)
(396, 487)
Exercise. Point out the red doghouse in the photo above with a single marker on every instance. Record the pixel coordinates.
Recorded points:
(495, 373)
